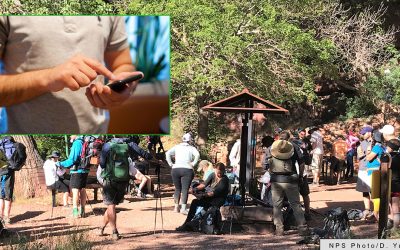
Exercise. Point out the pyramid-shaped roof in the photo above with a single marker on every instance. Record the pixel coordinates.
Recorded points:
(244, 103)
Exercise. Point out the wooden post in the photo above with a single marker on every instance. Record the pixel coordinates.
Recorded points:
(243, 157)
(385, 182)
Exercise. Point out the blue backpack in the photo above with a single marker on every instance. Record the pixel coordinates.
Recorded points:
(12, 155)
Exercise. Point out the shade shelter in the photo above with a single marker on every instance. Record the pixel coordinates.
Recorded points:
(244, 103)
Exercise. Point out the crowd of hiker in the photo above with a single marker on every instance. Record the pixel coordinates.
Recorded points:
(291, 159)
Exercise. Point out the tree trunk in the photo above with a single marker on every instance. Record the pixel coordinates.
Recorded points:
(29, 181)
(202, 124)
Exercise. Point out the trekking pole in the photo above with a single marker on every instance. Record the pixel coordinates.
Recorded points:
(158, 198)
(90, 204)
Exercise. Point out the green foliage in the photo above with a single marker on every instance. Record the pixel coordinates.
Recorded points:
(385, 85)
(73, 240)
(359, 106)
(51, 7)
(47, 144)
(221, 47)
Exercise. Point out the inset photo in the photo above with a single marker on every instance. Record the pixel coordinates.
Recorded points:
(84, 74)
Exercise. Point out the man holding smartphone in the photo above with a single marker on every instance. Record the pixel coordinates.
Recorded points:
(53, 64)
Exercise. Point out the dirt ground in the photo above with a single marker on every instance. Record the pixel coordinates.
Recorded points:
(136, 220)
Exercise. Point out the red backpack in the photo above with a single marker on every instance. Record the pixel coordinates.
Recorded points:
(90, 154)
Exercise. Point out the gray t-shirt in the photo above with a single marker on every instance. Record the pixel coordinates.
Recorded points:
(29, 43)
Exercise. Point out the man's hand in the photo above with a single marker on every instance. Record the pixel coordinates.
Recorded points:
(79, 71)
(102, 96)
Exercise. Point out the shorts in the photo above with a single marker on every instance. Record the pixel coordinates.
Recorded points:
(337, 165)
(78, 180)
(7, 186)
(316, 163)
(304, 189)
(61, 186)
(395, 194)
(114, 192)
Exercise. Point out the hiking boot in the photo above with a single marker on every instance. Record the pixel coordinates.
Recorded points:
(100, 231)
(6, 220)
(75, 213)
(279, 232)
(182, 228)
(115, 236)
(184, 211)
(389, 224)
(307, 217)
(82, 212)
(304, 230)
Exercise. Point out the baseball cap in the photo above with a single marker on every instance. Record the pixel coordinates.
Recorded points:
(186, 137)
(365, 130)
(387, 130)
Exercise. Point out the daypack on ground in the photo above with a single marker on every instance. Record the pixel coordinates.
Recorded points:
(117, 165)
(90, 153)
(211, 221)
(208, 222)
(337, 224)
(278, 166)
(12, 155)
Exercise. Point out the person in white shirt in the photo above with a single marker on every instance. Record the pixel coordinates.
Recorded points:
(54, 177)
(186, 157)
(234, 157)
(317, 153)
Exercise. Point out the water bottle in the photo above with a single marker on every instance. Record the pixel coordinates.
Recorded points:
(209, 220)
(3, 121)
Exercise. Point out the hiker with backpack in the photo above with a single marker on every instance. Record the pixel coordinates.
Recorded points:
(12, 158)
(115, 175)
(363, 180)
(186, 157)
(285, 182)
(338, 157)
(374, 153)
(211, 193)
(78, 176)
(54, 177)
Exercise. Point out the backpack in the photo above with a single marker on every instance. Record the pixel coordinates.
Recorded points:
(12, 155)
(340, 149)
(211, 221)
(117, 165)
(337, 224)
(90, 153)
(278, 166)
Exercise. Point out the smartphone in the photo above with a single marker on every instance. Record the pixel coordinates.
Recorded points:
(120, 85)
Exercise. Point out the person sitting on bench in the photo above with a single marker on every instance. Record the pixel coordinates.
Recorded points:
(135, 173)
(54, 177)
(211, 193)
(145, 181)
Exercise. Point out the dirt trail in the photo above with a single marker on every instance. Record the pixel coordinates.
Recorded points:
(136, 223)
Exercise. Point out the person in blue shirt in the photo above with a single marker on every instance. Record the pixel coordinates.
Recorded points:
(373, 164)
(78, 176)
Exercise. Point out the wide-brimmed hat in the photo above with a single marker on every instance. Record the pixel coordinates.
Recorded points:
(282, 149)
(54, 154)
